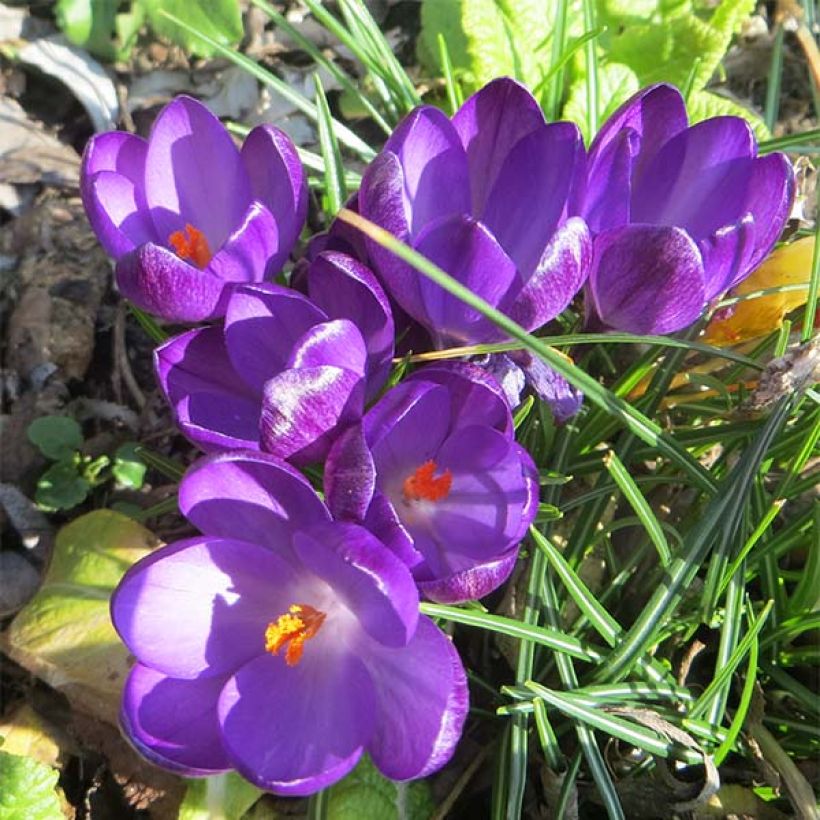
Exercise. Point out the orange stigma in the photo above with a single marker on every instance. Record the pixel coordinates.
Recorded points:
(299, 624)
(191, 244)
(421, 485)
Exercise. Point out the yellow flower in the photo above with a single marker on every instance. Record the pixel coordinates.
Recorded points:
(789, 265)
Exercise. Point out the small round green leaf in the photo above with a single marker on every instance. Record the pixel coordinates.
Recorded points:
(57, 437)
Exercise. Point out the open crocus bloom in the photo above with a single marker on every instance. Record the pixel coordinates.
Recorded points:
(281, 644)
(484, 196)
(435, 473)
(285, 373)
(679, 213)
(185, 212)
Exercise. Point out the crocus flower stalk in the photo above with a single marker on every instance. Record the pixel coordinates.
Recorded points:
(281, 644)
(187, 215)
(434, 471)
(285, 373)
(680, 213)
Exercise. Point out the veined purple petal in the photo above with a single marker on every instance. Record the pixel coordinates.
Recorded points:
(211, 403)
(173, 721)
(194, 173)
(422, 697)
(278, 179)
(346, 289)
(295, 729)
(470, 584)
(338, 344)
(254, 495)
(476, 396)
(489, 125)
(654, 114)
(529, 196)
(434, 167)
(350, 476)
(244, 256)
(382, 200)
(372, 582)
(467, 251)
(111, 185)
(647, 279)
(563, 399)
(199, 608)
(304, 409)
(560, 274)
(158, 281)
(262, 324)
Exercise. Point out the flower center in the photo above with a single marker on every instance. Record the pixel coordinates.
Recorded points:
(299, 624)
(191, 244)
(421, 485)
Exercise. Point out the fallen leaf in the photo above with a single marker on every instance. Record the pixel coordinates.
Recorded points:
(64, 635)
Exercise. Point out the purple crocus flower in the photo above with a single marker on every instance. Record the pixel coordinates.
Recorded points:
(680, 213)
(434, 471)
(484, 196)
(281, 644)
(185, 212)
(286, 373)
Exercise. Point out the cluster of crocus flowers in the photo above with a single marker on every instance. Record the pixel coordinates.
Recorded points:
(285, 640)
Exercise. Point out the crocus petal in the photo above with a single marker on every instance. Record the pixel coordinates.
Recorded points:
(111, 185)
(529, 196)
(173, 722)
(382, 200)
(467, 251)
(769, 200)
(489, 125)
(262, 324)
(301, 410)
(338, 343)
(727, 254)
(158, 281)
(654, 114)
(647, 279)
(476, 395)
(422, 697)
(563, 399)
(278, 179)
(194, 174)
(245, 254)
(698, 179)
(253, 494)
(200, 607)
(406, 426)
(472, 583)
(434, 167)
(603, 196)
(295, 729)
(507, 373)
(210, 402)
(560, 274)
(383, 521)
(350, 476)
(372, 582)
(346, 289)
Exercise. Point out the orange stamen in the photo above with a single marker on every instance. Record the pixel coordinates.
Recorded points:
(422, 485)
(191, 244)
(299, 624)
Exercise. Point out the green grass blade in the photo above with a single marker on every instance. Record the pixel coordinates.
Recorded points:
(636, 500)
(555, 74)
(454, 96)
(814, 290)
(335, 188)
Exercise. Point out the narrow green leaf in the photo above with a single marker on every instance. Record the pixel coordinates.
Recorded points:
(335, 188)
